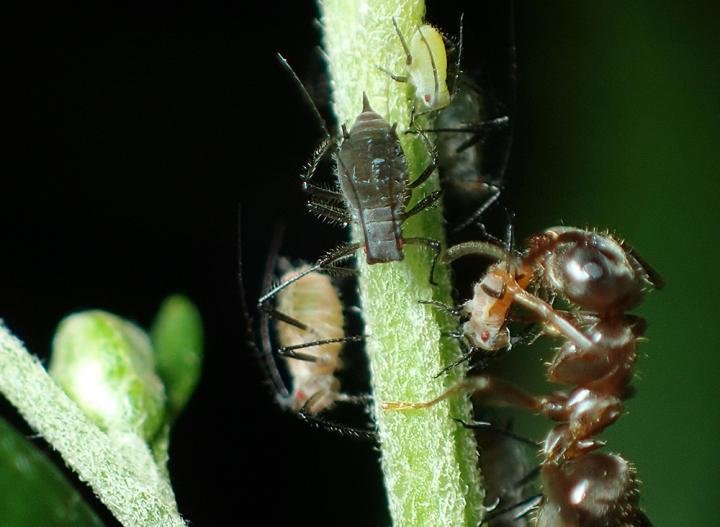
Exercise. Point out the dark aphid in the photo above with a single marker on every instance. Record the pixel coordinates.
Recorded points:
(373, 190)
(473, 153)
(505, 467)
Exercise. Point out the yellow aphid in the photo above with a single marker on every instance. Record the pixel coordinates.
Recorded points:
(314, 301)
(428, 70)
(426, 61)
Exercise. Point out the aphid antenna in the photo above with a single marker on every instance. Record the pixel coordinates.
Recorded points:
(458, 58)
(305, 94)
(263, 353)
(488, 250)
(342, 252)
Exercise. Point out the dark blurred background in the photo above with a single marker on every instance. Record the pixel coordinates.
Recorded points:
(146, 127)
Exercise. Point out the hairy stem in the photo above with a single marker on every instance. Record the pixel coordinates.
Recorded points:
(118, 466)
(429, 462)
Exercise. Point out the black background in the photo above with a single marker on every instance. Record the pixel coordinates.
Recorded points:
(142, 131)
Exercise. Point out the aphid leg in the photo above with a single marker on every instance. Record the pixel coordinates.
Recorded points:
(453, 311)
(329, 212)
(485, 425)
(320, 152)
(425, 203)
(434, 246)
(336, 428)
(522, 509)
(431, 166)
(289, 351)
(494, 194)
(264, 351)
(464, 358)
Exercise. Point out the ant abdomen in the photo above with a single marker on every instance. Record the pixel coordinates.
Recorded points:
(596, 490)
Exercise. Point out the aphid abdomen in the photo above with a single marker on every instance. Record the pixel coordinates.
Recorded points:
(314, 302)
(372, 173)
(428, 70)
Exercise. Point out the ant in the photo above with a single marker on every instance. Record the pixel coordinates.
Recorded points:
(605, 278)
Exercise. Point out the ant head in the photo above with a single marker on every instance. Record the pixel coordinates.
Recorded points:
(592, 270)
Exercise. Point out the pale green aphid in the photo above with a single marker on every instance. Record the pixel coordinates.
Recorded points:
(426, 61)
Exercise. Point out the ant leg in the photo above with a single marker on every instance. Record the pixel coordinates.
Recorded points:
(494, 195)
(485, 385)
(434, 246)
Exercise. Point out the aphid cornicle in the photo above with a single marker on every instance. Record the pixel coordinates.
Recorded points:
(373, 190)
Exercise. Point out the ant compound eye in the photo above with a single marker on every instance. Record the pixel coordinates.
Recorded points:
(594, 272)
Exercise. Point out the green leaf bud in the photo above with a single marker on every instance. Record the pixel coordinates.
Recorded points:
(106, 365)
(177, 336)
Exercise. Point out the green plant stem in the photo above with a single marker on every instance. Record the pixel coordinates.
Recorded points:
(118, 466)
(429, 462)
